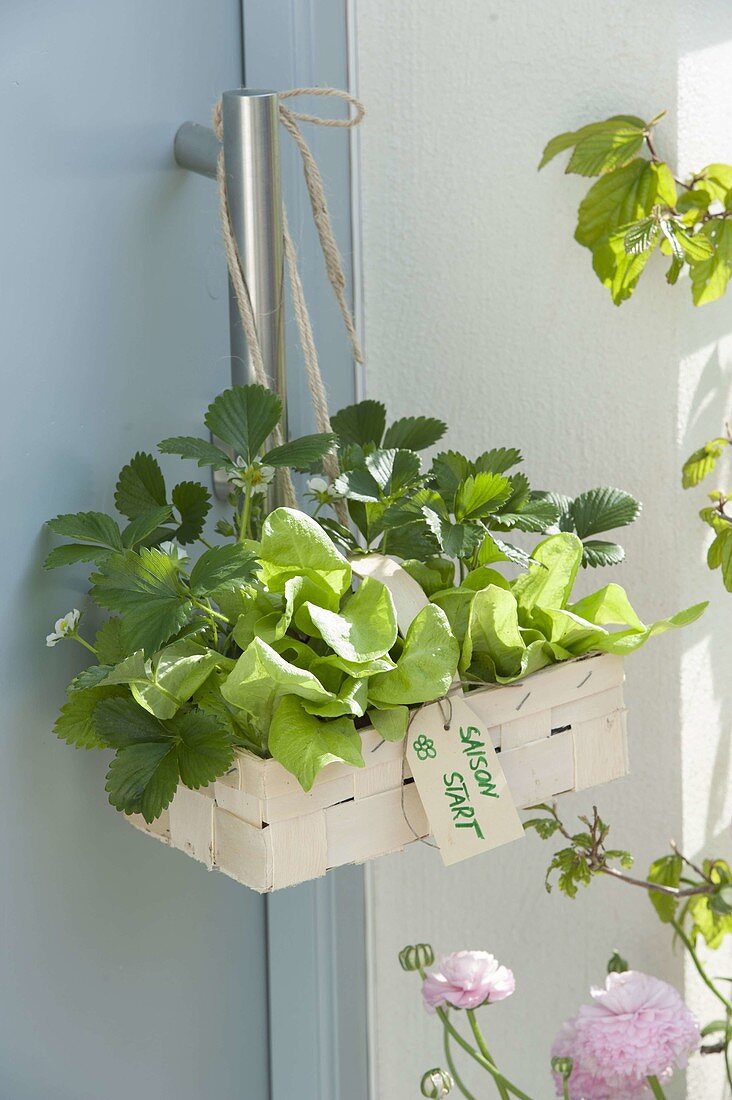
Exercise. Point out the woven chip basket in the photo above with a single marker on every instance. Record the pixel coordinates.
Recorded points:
(562, 729)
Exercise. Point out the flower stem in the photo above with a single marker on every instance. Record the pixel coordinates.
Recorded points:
(82, 641)
(700, 967)
(245, 526)
(496, 1074)
(483, 1048)
(565, 1088)
(656, 1088)
(451, 1066)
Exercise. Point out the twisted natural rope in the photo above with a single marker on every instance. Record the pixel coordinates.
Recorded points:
(331, 255)
(312, 366)
(316, 191)
(243, 300)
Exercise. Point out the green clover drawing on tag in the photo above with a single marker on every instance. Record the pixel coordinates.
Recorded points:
(424, 747)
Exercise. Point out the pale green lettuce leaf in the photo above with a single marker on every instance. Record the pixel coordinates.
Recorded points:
(536, 655)
(359, 670)
(365, 628)
(261, 677)
(432, 575)
(267, 628)
(391, 722)
(482, 577)
(626, 641)
(493, 644)
(456, 604)
(563, 627)
(247, 608)
(304, 743)
(426, 666)
(609, 605)
(350, 692)
(551, 576)
(296, 652)
(293, 544)
(299, 593)
(351, 698)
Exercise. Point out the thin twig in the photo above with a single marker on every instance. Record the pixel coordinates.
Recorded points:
(656, 887)
(687, 861)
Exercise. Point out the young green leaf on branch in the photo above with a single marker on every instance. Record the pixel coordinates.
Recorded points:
(716, 515)
(639, 206)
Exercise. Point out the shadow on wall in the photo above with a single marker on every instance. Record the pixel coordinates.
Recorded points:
(705, 382)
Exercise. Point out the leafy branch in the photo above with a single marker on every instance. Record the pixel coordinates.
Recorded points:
(588, 855)
(635, 208)
(694, 900)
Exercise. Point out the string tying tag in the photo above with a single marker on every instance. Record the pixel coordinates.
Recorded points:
(445, 705)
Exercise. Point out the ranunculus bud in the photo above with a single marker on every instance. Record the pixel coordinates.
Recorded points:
(562, 1066)
(436, 1083)
(617, 964)
(416, 958)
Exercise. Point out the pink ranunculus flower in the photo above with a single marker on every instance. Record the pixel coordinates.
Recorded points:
(584, 1083)
(638, 1027)
(467, 979)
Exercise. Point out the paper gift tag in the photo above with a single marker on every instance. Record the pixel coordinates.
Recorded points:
(460, 781)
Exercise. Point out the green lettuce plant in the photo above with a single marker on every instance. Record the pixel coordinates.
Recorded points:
(638, 206)
(263, 642)
(508, 629)
(260, 643)
(697, 467)
(457, 509)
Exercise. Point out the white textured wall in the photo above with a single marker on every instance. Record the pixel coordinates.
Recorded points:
(481, 308)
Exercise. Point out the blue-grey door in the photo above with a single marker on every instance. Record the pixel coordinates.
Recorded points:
(126, 970)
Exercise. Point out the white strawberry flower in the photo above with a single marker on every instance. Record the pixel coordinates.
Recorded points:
(255, 476)
(263, 478)
(236, 478)
(324, 490)
(64, 627)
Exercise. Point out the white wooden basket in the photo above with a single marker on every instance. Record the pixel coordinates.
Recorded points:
(562, 729)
